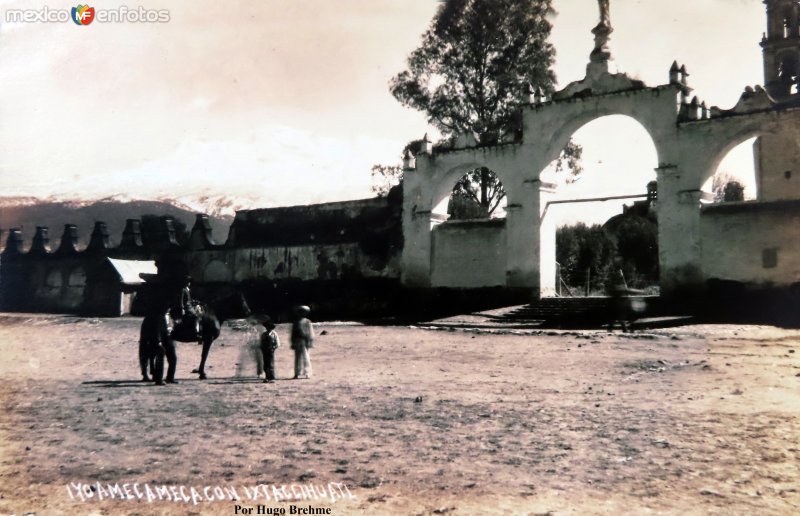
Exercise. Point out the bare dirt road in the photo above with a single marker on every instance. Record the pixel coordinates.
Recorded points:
(400, 420)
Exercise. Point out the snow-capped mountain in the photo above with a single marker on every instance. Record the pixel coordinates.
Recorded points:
(27, 212)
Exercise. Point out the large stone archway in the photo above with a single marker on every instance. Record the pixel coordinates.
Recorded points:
(546, 129)
(690, 140)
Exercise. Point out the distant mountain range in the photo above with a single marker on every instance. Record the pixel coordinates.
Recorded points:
(26, 213)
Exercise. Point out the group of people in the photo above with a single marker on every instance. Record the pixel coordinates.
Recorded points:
(267, 340)
(170, 313)
(161, 310)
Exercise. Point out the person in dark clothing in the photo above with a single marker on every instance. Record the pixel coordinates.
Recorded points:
(148, 347)
(187, 313)
(155, 343)
(166, 350)
(269, 343)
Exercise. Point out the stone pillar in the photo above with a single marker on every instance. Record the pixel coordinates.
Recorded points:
(201, 236)
(15, 275)
(13, 243)
(531, 242)
(41, 242)
(69, 240)
(417, 212)
(678, 233)
(547, 243)
(164, 236)
(99, 240)
(132, 234)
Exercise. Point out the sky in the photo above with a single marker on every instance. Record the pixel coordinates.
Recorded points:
(282, 102)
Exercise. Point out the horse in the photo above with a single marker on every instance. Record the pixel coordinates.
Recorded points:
(156, 340)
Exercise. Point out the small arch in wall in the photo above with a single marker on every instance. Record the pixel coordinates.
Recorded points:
(53, 283)
(736, 164)
(53, 279)
(466, 198)
(468, 248)
(77, 278)
(76, 286)
(442, 187)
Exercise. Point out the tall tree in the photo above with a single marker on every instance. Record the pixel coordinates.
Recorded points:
(477, 61)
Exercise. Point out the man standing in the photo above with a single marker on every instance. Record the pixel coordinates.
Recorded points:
(189, 316)
(155, 343)
(302, 341)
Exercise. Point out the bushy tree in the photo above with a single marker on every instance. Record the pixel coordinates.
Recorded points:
(627, 243)
(733, 191)
(585, 251)
(384, 177)
(477, 61)
(727, 188)
(636, 240)
(477, 195)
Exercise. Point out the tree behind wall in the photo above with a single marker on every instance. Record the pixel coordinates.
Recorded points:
(384, 177)
(585, 252)
(478, 61)
(477, 195)
(636, 240)
(726, 188)
(629, 244)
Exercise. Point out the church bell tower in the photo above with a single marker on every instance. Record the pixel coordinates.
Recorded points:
(781, 47)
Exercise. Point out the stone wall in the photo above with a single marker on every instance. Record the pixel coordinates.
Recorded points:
(304, 253)
(469, 254)
(755, 243)
(777, 157)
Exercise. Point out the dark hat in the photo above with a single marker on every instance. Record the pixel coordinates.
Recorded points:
(302, 309)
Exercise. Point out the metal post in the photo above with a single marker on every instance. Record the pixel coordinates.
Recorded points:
(588, 280)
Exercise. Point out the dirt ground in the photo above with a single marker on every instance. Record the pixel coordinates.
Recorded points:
(403, 420)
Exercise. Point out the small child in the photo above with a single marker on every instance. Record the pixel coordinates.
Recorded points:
(269, 343)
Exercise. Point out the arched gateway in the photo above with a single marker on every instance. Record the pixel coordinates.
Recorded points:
(690, 140)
